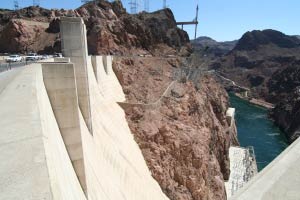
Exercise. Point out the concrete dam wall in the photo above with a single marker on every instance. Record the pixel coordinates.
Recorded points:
(63, 134)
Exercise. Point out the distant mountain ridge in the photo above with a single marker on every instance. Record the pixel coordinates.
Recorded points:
(212, 46)
(252, 40)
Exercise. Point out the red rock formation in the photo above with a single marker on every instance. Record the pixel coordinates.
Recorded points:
(110, 30)
(22, 35)
(185, 140)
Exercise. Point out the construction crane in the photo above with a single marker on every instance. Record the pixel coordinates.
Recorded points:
(16, 4)
(194, 22)
(164, 3)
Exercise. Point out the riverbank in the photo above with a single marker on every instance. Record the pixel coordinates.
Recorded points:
(257, 102)
(256, 129)
(232, 84)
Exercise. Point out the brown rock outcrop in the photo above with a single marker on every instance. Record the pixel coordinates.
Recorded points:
(184, 139)
(22, 35)
(110, 30)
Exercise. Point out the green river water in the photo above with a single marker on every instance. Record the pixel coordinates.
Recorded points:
(255, 129)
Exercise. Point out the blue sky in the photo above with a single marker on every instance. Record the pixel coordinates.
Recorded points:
(220, 19)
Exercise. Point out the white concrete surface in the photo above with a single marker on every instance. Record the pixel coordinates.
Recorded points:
(23, 169)
(36, 158)
(115, 167)
(8, 76)
(230, 115)
(62, 60)
(280, 180)
(59, 79)
(108, 84)
(37, 164)
(242, 169)
(63, 179)
(34, 162)
(74, 46)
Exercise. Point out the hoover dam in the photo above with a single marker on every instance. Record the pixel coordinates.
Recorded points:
(64, 134)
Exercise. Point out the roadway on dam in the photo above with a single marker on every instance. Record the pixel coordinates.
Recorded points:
(8, 76)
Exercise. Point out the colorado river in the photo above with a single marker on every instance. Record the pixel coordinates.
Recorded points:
(255, 129)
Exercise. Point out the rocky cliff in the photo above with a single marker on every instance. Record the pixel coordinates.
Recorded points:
(285, 89)
(209, 46)
(110, 30)
(184, 135)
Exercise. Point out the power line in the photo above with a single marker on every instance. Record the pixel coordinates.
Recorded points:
(86, 1)
(16, 4)
(133, 6)
(146, 5)
(35, 2)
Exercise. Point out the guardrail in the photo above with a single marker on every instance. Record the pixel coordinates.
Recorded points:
(8, 66)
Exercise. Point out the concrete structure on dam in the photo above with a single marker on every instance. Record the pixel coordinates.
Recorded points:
(280, 180)
(62, 133)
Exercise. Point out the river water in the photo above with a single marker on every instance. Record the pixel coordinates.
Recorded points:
(255, 129)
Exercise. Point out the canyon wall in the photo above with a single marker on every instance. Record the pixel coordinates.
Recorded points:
(185, 138)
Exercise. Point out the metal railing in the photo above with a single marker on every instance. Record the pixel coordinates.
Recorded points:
(8, 66)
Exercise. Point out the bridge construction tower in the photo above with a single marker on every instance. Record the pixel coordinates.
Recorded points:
(194, 22)
(16, 4)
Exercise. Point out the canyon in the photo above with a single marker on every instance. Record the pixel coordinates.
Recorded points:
(267, 63)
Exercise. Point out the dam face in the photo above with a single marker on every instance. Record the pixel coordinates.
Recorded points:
(63, 134)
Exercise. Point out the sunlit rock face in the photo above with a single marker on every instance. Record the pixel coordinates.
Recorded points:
(110, 30)
(185, 138)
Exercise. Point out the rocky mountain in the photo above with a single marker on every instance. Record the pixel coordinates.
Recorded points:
(255, 39)
(297, 36)
(258, 55)
(110, 30)
(267, 62)
(207, 50)
(211, 46)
